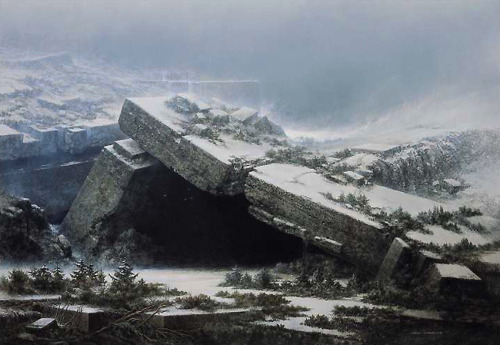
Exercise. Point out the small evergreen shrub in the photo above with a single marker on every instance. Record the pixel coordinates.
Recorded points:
(201, 302)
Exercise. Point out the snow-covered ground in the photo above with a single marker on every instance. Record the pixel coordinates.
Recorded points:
(207, 281)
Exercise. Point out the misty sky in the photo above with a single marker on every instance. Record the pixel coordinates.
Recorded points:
(332, 61)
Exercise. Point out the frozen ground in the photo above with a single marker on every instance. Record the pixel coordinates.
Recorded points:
(206, 281)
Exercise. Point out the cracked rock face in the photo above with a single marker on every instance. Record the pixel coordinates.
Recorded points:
(25, 233)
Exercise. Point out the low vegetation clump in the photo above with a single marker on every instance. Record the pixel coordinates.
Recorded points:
(451, 220)
(262, 280)
(404, 221)
(87, 285)
(316, 277)
(40, 280)
(201, 302)
(297, 155)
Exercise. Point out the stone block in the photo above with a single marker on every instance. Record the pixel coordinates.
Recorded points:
(454, 279)
(73, 139)
(397, 259)
(426, 259)
(10, 143)
(84, 318)
(103, 132)
(41, 325)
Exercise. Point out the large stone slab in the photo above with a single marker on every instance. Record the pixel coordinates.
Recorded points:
(295, 195)
(108, 189)
(209, 165)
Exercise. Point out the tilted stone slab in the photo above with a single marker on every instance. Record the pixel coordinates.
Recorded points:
(398, 256)
(107, 189)
(293, 194)
(207, 165)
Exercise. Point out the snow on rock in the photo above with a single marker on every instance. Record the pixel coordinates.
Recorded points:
(201, 157)
(455, 271)
(442, 236)
(297, 194)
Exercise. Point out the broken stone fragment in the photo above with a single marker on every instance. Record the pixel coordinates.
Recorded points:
(426, 259)
(397, 260)
(454, 279)
(41, 325)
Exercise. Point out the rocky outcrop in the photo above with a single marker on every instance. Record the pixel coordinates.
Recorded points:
(25, 234)
(416, 167)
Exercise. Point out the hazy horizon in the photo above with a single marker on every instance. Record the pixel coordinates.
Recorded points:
(321, 63)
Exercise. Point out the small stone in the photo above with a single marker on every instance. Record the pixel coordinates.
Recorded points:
(42, 325)
(426, 259)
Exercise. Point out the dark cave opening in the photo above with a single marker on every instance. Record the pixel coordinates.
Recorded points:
(193, 227)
